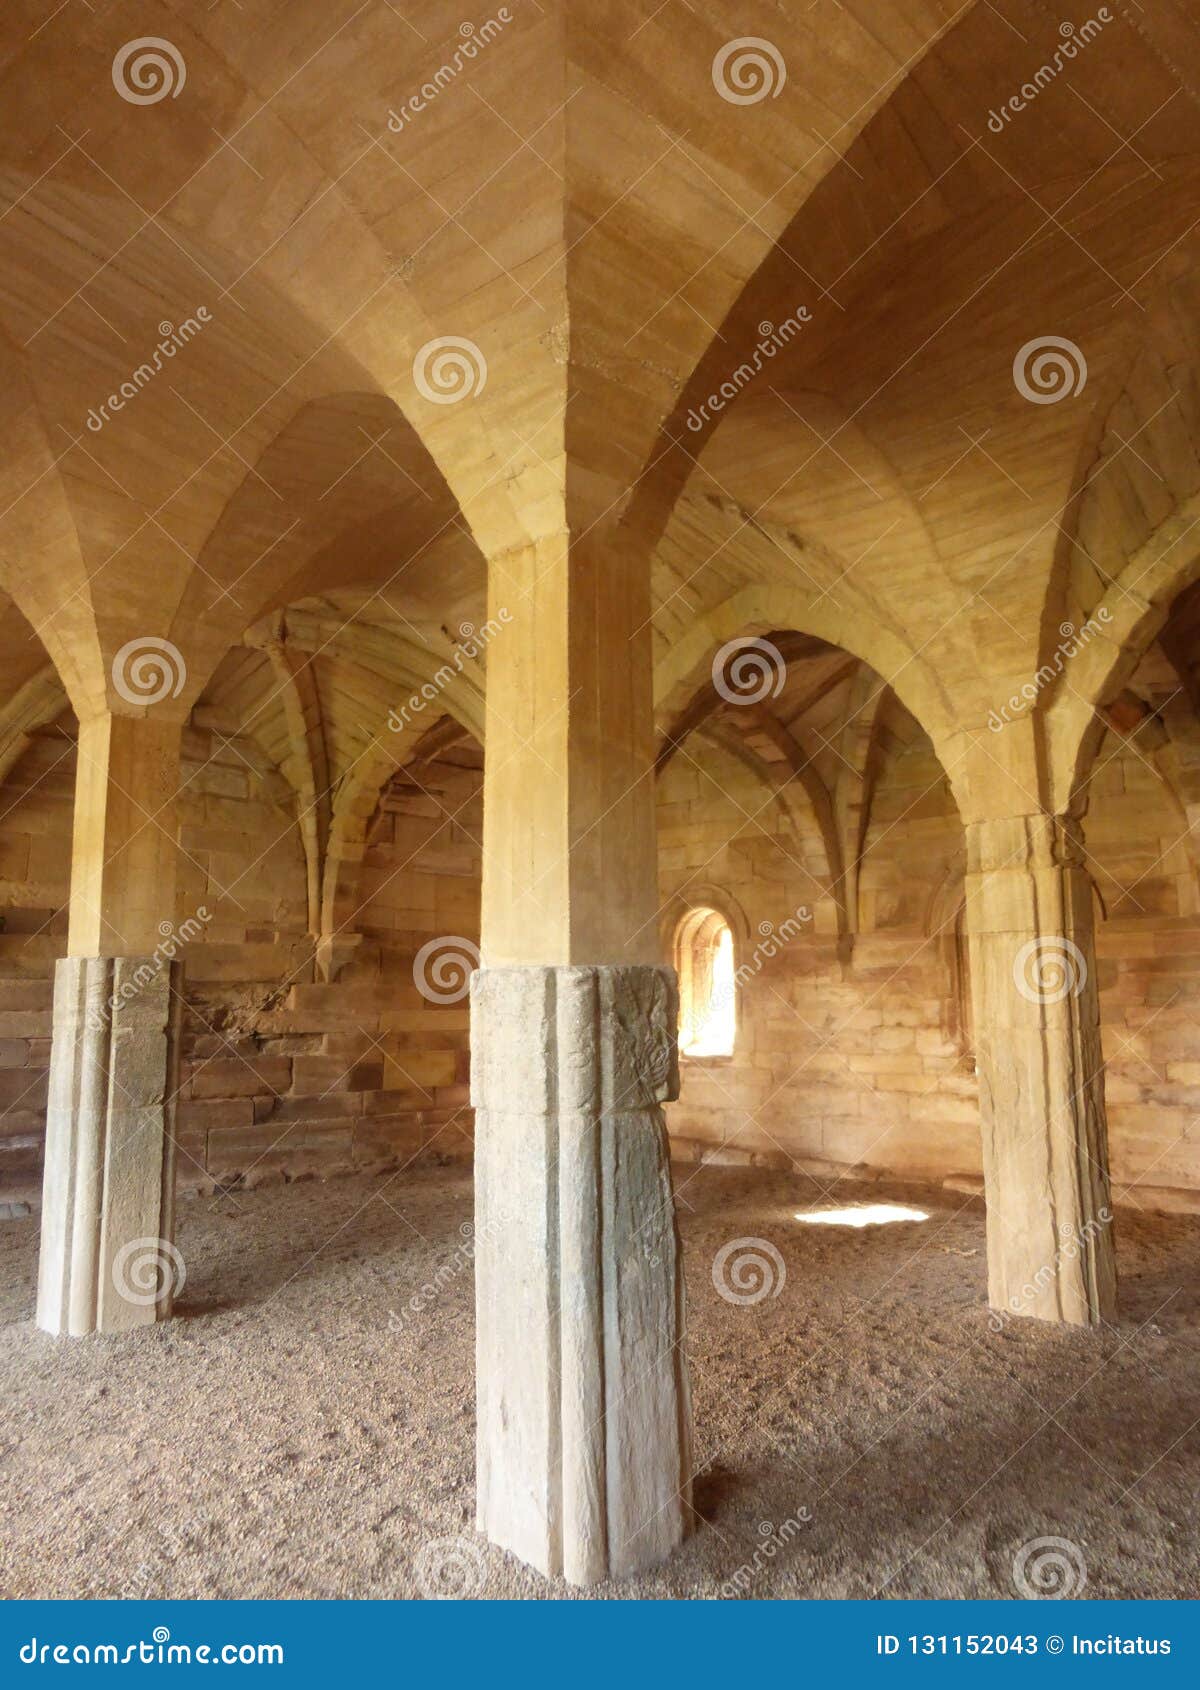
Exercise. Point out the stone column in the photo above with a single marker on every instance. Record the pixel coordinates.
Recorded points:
(582, 1395)
(1041, 1072)
(583, 1407)
(108, 1260)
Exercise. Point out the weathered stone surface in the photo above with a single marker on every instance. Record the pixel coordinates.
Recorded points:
(107, 1260)
(583, 1405)
(1041, 1072)
(238, 1078)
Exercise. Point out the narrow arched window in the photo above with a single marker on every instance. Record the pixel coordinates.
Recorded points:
(707, 989)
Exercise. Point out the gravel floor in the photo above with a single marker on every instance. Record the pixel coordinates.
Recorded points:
(299, 1432)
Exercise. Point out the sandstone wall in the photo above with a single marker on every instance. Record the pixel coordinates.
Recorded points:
(1148, 953)
(282, 1074)
(846, 1052)
(851, 1050)
(860, 1053)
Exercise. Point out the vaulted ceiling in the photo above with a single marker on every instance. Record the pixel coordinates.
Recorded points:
(871, 208)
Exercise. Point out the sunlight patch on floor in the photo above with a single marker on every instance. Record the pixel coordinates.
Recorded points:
(861, 1214)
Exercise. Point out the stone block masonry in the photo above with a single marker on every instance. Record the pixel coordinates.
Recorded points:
(857, 1056)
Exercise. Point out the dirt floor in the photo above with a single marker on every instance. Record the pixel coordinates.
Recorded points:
(300, 1430)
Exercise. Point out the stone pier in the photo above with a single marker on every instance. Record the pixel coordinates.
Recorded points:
(1041, 1071)
(108, 1260)
(584, 1442)
(582, 1385)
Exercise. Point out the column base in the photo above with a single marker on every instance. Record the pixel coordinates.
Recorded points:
(108, 1262)
(584, 1416)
